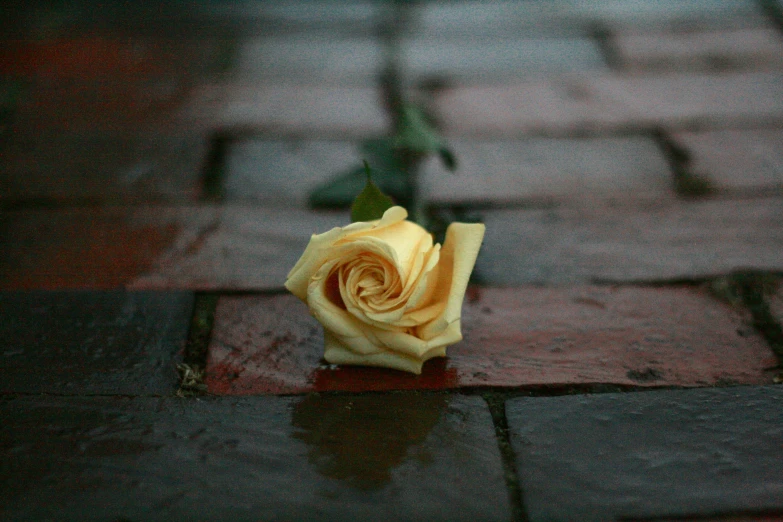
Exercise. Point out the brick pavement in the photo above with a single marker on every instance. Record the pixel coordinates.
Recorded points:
(622, 336)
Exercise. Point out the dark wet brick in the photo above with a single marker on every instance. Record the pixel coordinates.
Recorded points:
(188, 20)
(512, 337)
(718, 518)
(82, 248)
(109, 83)
(97, 168)
(113, 107)
(652, 455)
(97, 57)
(776, 303)
(92, 342)
(664, 241)
(308, 458)
(562, 17)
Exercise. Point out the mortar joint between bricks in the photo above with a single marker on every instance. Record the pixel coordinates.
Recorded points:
(193, 367)
(496, 402)
(604, 39)
(687, 183)
(774, 11)
(755, 289)
(214, 169)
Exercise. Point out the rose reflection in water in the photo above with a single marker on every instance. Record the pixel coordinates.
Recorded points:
(359, 440)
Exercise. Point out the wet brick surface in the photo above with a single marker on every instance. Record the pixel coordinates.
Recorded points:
(675, 336)
(655, 242)
(512, 337)
(172, 147)
(308, 458)
(92, 342)
(649, 455)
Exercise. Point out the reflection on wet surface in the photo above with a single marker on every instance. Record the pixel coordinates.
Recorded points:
(359, 440)
(437, 374)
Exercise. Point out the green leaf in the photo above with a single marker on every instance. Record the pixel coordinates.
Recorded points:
(416, 133)
(387, 173)
(371, 203)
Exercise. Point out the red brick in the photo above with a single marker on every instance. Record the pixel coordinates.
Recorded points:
(684, 98)
(512, 337)
(112, 107)
(558, 17)
(284, 172)
(737, 160)
(78, 248)
(319, 15)
(659, 241)
(489, 60)
(713, 50)
(546, 169)
(234, 247)
(107, 83)
(271, 344)
(612, 101)
(622, 335)
(97, 58)
(99, 168)
(310, 59)
(200, 247)
(291, 109)
(557, 104)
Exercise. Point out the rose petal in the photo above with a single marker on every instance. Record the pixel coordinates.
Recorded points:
(458, 256)
(317, 251)
(336, 353)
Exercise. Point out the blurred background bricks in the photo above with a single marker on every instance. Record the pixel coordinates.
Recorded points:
(625, 157)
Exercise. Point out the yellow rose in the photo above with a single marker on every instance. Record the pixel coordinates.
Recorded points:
(384, 293)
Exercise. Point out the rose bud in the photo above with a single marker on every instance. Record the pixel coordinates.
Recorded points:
(384, 293)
